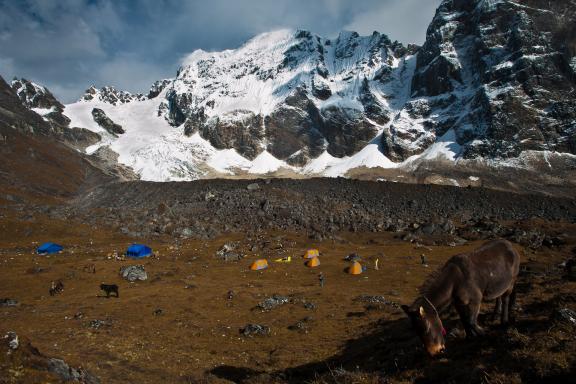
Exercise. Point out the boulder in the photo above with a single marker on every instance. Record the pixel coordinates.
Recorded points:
(255, 330)
(133, 273)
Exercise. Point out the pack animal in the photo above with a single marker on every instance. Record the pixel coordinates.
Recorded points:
(56, 287)
(109, 289)
(487, 273)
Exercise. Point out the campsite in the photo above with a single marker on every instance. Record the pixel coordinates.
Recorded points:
(287, 192)
(186, 321)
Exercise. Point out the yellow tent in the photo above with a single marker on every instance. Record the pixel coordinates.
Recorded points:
(313, 262)
(259, 264)
(286, 259)
(355, 269)
(311, 253)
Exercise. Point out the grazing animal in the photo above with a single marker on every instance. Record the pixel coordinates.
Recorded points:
(110, 288)
(56, 287)
(465, 280)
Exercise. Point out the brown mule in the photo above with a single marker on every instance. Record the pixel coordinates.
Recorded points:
(465, 280)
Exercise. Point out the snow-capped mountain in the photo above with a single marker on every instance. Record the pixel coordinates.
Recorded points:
(495, 80)
(500, 75)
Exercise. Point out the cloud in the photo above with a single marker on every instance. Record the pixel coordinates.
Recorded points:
(128, 72)
(405, 21)
(68, 45)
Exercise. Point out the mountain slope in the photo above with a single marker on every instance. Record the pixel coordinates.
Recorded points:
(494, 84)
(501, 74)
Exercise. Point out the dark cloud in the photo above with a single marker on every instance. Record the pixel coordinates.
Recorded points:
(70, 44)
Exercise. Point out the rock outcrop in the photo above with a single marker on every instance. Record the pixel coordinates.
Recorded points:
(110, 95)
(293, 94)
(105, 122)
(499, 74)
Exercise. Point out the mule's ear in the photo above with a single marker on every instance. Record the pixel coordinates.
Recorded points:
(406, 309)
(422, 313)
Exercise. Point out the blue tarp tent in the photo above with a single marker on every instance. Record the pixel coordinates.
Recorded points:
(138, 251)
(48, 248)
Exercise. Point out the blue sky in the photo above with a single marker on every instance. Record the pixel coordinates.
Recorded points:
(68, 45)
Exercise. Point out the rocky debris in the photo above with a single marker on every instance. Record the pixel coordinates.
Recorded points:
(9, 303)
(272, 302)
(565, 315)
(227, 252)
(12, 340)
(302, 326)
(97, 324)
(68, 373)
(105, 122)
(442, 226)
(376, 300)
(372, 299)
(23, 357)
(56, 287)
(255, 330)
(253, 187)
(320, 206)
(133, 273)
(309, 305)
(158, 312)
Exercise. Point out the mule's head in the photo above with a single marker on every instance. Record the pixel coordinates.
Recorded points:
(428, 327)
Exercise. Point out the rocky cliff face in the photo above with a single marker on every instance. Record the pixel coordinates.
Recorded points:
(42, 101)
(16, 115)
(293, 94)
(111, 95)
(499, 74)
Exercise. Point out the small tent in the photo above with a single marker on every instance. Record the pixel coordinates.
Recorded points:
(311, 253)
(48, 248)
(259, 265)
(313, 262)
(355, 269)
(138, 251)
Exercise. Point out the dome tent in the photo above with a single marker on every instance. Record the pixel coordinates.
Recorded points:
(355, 269)
(48, 248)
(259, 265)
(138, 251)
(313, 262)
(311, 253)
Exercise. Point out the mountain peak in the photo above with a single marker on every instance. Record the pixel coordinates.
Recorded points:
(110, 95)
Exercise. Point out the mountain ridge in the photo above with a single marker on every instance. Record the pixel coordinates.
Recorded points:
(292, 102)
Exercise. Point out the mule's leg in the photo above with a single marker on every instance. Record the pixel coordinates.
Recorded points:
(509, 299)
(474, 308)
(497, 309)
(469, 316)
